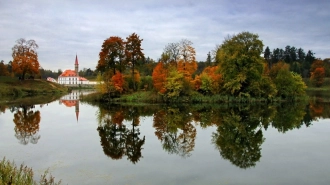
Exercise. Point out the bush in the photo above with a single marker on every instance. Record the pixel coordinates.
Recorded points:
(11, 174)
(146, 83)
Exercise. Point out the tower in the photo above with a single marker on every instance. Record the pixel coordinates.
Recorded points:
(76, 66)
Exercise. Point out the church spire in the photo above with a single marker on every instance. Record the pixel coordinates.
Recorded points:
(77, 109)
(76, 66)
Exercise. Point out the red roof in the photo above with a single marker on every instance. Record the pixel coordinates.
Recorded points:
(69, 103)
(82, 79)
(68, 73)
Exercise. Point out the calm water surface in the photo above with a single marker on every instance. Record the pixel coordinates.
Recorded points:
(85, 144)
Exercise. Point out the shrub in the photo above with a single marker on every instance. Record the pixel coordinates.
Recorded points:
(11, 174)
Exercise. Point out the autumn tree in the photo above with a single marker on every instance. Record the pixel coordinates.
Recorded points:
(317, 73)
(317, 64)
(133, 52)
(241, 63)
(174, 84)
(210, 81)
(117, 81)
(111, 55)
(27, 125)
(317, 76)
(159, 77)
(25, 57)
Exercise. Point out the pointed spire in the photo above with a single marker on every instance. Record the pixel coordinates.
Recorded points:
(76, 62)
(77, 110)
(77, 115)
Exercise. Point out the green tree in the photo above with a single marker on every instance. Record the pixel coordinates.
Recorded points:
(172, 51)
(208, 59)
(267, 57)
(289, 84)
(3, 69)
(174, 84)
(309, 59)
(133, 52)
(241, 63)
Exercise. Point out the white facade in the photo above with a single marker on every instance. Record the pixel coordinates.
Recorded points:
(71, 77)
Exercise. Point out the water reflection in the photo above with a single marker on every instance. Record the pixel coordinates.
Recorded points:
(72, 100)
(239, 128)
(27, 124)
(175, 130)
(119, 139)
(239, 136)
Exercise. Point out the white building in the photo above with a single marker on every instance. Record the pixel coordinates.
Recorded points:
(71, 77)
(51, 79)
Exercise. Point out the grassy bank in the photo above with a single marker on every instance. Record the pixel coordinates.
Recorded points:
(195, 97)
(12, 87)
(22, 175)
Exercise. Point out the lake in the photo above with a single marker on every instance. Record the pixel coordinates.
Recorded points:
(170, 144)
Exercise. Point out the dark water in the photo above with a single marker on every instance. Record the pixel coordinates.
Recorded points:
(162, 144)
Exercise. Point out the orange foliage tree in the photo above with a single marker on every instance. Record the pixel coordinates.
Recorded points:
(276, 68)
(209, 81)
(27, 125)
(316, 109)
(25, 58)
(159, 75)
(117, 81)
(317, 76)
(316, 64)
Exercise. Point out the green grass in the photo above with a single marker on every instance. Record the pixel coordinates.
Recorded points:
(22, 175)
(325, 86)
(194, 97)
(10, 87)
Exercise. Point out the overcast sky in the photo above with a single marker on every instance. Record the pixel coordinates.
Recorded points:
(64, 28)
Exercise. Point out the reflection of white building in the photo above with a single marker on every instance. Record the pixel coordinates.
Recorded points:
(72, 100)
(71, 77)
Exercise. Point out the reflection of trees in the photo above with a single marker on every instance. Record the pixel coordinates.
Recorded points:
(134, 143)
(118, 139)
(289, 116)
(175, 130)
(239, 127)
(27, 125)
(239, 138)
(206, 116)
(2, 109)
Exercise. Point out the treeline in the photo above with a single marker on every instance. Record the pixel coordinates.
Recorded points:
(25, 63)
(6, 70)
(237, 68)
(300, 62)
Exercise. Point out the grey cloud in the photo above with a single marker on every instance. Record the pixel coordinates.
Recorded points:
(64, 28)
